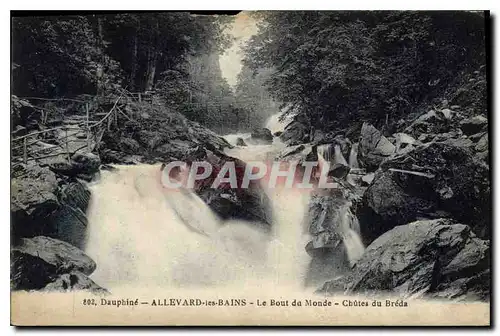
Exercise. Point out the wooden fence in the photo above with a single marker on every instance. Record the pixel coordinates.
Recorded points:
(90, 130)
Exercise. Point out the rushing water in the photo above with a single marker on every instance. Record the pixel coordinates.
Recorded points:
(141, 234)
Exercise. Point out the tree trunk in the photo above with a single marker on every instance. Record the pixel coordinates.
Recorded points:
(100, 66)
(153, 58)
(133, 68)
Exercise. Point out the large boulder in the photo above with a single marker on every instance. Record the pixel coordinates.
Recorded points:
(433, 122)
(298, 153)
(33, 199)
(251, 204)
(431, 258)
(373, 147)
(328, 221)
(296, 132)
(167, 136)
(240, 142)
(38, 261)
(432, 180)
(81, 165)
(262, 134)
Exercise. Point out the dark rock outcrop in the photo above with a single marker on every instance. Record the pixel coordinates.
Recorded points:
(262, 134)
(69, 222)
(251, 204)
(299, 153)
(240, 142)
(38, 261)
(33, 200)
(431, 258)
(430, 181)
(373, 147)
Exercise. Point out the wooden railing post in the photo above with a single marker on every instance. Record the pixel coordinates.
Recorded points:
(25, 152)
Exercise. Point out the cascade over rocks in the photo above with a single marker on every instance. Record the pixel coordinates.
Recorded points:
(432, 258)
(38, 261)
(250, 203)
(327, 220)
(297, 131)
(240, 142)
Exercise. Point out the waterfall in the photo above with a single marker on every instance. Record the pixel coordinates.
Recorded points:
(142, 235)
(350, 225)
(353, 156)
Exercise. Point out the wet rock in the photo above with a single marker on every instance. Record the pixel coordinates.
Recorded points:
(373, 147)
(251, 204)
(403, 140)
(262, 134)
(328, 220)
(150, 140)
(300, 153)
(86, 163)
(430, 258)
(277, 134)
(37, 261)
(392, 200)
(33, 200)
(69, 222)
(368, 179)
(74, 281)
(474, 125)
(128, 145)
(240, 142)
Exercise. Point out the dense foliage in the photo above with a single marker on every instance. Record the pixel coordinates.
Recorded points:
(340, 67)
(172, 55)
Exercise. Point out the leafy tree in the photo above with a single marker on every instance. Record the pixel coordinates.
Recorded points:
(340, 67)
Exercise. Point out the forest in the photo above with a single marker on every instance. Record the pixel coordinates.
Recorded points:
(340, 67)
(333, 67)
(173, 56)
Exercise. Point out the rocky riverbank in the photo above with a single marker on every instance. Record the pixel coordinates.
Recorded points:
(420, 191)
(50, 196)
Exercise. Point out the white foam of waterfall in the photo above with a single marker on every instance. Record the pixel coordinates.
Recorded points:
(350, 225)
(233, 138)
(353, 156)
